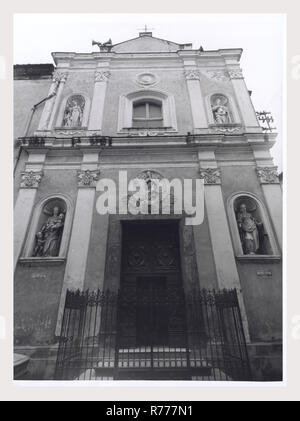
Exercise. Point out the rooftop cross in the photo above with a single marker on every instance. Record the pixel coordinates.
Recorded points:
(145, 29)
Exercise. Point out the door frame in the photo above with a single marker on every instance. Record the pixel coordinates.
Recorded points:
(187, 249)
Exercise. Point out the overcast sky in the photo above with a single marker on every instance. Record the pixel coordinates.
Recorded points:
(261, 37)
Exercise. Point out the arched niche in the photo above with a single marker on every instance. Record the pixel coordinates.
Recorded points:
(247, 213)
(53, 214)
(228, 112)
(74, 112)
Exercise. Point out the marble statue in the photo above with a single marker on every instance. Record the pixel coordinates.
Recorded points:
(73, 113)
(39, 245)
(220, 112)
(248, 228)
(47, 240)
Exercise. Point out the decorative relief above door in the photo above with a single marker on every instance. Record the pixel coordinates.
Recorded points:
(146, 79)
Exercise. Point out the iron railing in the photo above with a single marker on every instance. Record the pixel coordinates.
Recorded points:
(194, 336)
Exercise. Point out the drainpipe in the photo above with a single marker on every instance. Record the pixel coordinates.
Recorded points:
(29, 119)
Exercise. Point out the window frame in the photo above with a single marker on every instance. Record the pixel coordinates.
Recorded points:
(126, 102)
(147, 118)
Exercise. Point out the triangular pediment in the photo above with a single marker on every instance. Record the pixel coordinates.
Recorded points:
(145, 43)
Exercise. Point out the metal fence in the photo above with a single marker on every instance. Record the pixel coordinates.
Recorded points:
(109, 335)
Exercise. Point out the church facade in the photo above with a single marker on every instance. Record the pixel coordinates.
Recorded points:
(145, 295)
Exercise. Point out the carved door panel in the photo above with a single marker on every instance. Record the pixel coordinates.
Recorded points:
(151, 314)
(152, 310)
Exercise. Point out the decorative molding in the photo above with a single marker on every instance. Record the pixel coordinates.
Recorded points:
(267, 175)
(87, 178)
(218, 75)
(226, 130)
(149, 175)
(143, 133)
(146, 79)
(31, 179)
(193, 74)
(235, 74)
(102, 76)
(148, 133)
(259, 258)
(70, 132)
(42, 261)
(211, 175)
(159, 193)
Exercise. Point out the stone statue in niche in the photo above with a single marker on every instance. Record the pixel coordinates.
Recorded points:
(249, 230)
(220, 110)
(74, 111)
(48, 238)
(39, 245)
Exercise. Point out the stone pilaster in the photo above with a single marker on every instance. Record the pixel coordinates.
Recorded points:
(30, 180)
(227, 274)
(75, 270)
(61, 77)
(243, 98)
(192, 76)
(97, 108)
(51, 104)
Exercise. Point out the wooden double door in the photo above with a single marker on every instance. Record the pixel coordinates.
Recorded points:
(152, 307)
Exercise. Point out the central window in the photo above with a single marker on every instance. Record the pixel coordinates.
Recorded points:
(145, 110)
(147, 114)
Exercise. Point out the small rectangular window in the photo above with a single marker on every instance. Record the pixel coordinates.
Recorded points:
(147, 114)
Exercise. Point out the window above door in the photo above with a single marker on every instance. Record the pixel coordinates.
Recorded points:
(147, 114)
(147, 109)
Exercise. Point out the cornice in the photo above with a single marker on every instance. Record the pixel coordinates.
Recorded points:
(250, 141)
(228, 54)
(62, 56)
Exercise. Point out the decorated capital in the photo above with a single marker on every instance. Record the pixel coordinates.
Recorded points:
(102, 76)
(267, 175)
(210, 175)
(87, 178)
(31, 179)
(192, 74)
